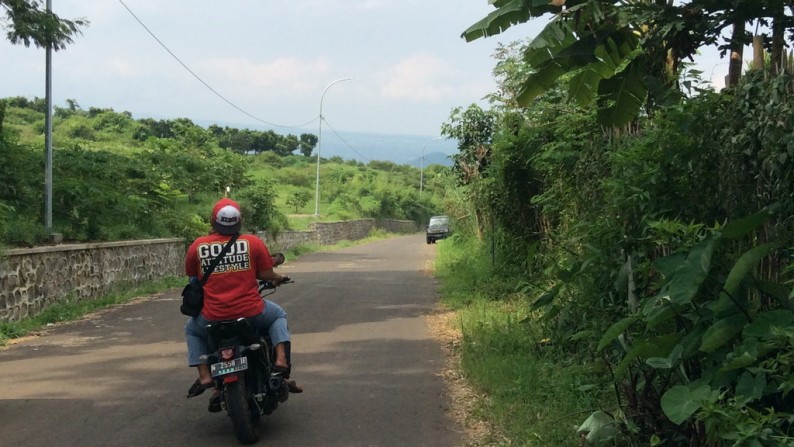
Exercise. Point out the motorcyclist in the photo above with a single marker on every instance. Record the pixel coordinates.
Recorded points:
(231, 292)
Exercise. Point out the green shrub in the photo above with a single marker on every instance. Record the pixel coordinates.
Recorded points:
(258, 207)
(78, 127)
(24, 232)
(6, 212)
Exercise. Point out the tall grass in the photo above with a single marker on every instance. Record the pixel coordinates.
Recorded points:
(534, 394)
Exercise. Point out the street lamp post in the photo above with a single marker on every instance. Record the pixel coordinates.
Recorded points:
(422, 165)
(319, 146)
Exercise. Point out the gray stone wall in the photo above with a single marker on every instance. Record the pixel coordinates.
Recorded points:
(398, 226)
(330, 233)
(287, 240)
(33, 279)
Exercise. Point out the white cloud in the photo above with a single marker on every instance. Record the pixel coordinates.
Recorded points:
(123, 67)
(341, 5)
(271, 58)
(370, 5)
(286, 73)
(95, 12)
(422, 78)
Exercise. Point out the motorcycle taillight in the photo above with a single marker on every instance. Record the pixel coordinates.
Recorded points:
(227, 354)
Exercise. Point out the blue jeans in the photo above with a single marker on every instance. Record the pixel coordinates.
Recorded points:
(272, 320)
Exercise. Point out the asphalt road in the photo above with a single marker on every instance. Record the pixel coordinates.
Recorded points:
(361, 351)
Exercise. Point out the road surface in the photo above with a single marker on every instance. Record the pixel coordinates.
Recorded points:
(361, 351)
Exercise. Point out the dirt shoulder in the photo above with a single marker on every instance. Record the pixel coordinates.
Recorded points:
(445, 329)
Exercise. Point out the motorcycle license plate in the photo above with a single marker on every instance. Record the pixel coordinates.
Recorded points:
(232, 366)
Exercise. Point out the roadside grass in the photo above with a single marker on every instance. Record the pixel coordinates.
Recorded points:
(534, 396)
(532, 393)
(71, 309)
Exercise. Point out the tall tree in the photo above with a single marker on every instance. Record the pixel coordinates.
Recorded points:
(287, 145)
(308, 141)
(28, 22)
(474, 129)
(779, 24)
(737, 53)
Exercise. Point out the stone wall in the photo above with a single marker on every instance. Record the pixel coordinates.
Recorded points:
(33, 279)
(330, 233)
(398, 226)
(287, 240)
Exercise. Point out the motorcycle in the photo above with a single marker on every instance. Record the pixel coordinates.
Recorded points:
(242, 366)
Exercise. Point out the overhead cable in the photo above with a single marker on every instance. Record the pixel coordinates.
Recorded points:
(343, 140)
(202, 81)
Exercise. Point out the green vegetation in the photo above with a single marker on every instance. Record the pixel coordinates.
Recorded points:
(629, 285)
(27, 21)
(623, 58)
(632, 276)
(120, 178)
(535, 391)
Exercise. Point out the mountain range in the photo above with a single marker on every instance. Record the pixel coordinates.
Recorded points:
(399, 149)
(366, 147)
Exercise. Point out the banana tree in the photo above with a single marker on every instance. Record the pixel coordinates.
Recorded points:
(625, 53)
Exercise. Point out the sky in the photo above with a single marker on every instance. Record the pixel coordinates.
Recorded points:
(251, 62)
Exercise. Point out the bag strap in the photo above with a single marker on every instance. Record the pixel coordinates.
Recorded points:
(217, 260)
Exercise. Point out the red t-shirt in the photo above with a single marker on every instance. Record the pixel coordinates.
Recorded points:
(232, 290)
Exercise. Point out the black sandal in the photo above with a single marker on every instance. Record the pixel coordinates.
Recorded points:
(215, 404)
(283, 370)
(197, 388)
(292, 385)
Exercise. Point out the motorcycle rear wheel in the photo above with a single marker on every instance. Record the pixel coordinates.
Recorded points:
(240, 412)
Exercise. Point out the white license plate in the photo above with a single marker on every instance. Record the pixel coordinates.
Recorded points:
(232, 366)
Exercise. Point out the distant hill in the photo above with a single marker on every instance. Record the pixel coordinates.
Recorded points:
(400, 149)
(365, 147)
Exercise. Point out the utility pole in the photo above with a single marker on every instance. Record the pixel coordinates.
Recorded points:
(48, 139)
